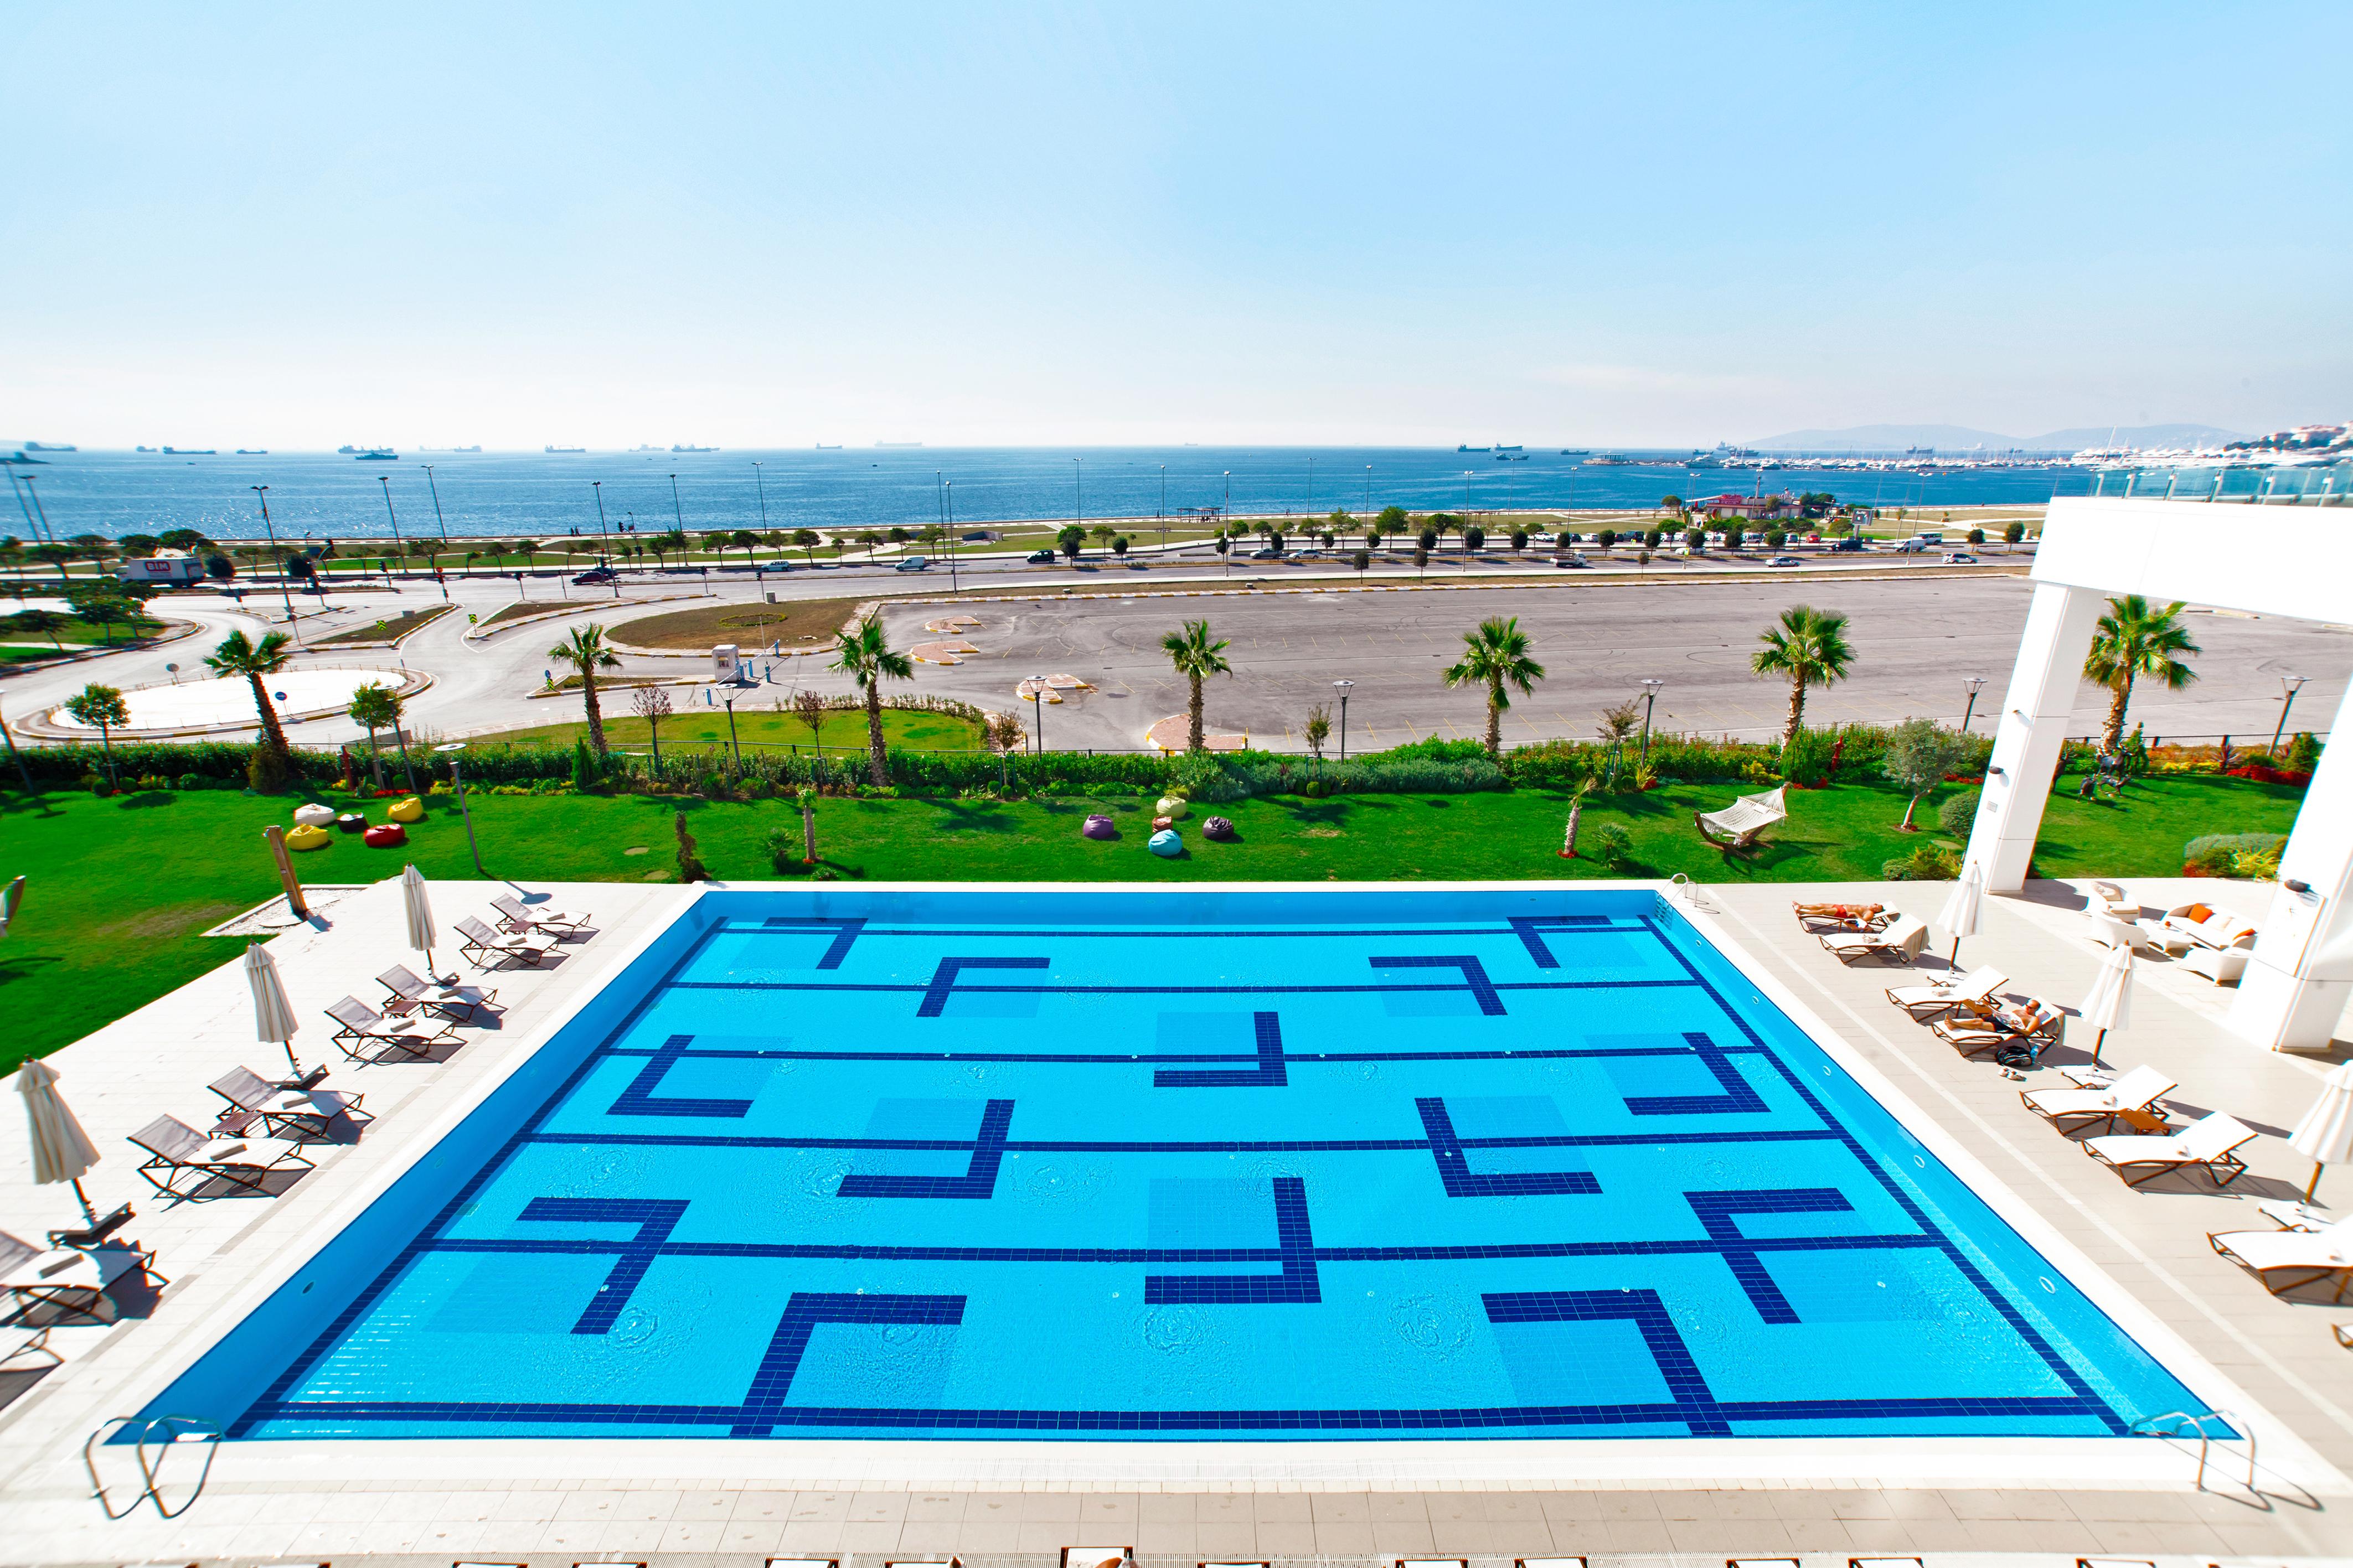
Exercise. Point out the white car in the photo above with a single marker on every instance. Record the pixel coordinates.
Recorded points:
(1569, 558)
(1543, 538)
(1785, 561)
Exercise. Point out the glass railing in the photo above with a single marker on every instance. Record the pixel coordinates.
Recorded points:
(2306, 484)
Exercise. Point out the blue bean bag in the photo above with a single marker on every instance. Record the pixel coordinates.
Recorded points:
(1167, 842)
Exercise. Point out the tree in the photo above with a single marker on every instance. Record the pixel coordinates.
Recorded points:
(585, 651)
(1807, 648)
(526, 547)
(102, 708)
(1392, 520)
(899, 536)
(661, 545)
(101, 607)
(1497, 656)
(138, 546)
(2136, 640)
(186, 538)
(867, 657)
(743, 539)
(40, 623)
(378, 707)
(1426, 540)
(1421, 559)
(716, 541)
(1695, 539)
(1071, 540)
(1004, 733)
(1976, 536)
(651, 703)
(1519, 539)
(2013, 533)
(1733, 535)
(1103, 533)
(1318, 730)
(810, 708)
(806, 541)
(1576, 814)
(1606, 538)
(1918, 758)
(236, 655)
(1619, 724)
(1196, 657)
(1653, 538)
(1119, 545)
(1474, 539)
(1360, 559)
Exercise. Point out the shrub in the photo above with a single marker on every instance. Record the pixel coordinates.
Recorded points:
(1806, 757)
(784, 848)
(2214, 854)
(265, 772)
(2256, 866)
(1929, 863)
(1958, 815)
(2303, 753)
(1613, 845)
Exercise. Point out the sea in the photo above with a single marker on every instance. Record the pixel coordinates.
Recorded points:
(320, 495)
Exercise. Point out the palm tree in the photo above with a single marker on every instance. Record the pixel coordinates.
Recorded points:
(2133, 640)
(586, 652)
(1196, 658)
(1809, 648)
(377, 706)
(866, 657)
(102, 708)
(1496, 656)
(238, 655)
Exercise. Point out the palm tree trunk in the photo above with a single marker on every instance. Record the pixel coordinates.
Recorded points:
(376, 759)
(808, 834)
(1494, 718)
(107, 741)
(271, 735)
(1797, 709)
(1196, 741)
(875, 765)
(2121, 694)
(595, 715)
(1568, 840)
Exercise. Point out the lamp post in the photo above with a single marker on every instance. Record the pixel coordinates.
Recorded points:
(398, 548)
(677, 510)
(437, 523)
(760, 483)
(949, 493)
(458, 785)
(1037, 711)
(1649, 699)
(1078, 490)
(2289, 686)
(605, 534)
(1368, 495)
(1311, 487)
(1164, 508)
(1974, 683)
(287, 593)
(733, 745)
(1343, 687)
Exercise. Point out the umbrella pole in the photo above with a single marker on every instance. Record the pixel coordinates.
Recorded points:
(2310, 1187)
(2098, 1041)
(294, 1066)
(89, 1214)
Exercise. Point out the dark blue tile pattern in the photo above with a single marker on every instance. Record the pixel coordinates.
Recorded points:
(644, 1097)
(1270, 1072)
(1454, 1170)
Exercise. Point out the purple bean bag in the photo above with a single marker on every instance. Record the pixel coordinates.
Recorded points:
(1099, 827)
(1218, 827)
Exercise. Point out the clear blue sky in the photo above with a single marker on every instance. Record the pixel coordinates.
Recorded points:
(302, 224)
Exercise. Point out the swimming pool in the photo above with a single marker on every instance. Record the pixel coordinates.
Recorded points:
(1356, 1163)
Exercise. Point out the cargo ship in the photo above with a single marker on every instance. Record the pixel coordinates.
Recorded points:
(376, 454)
(573, 451)
(694, 448)
(189, 452)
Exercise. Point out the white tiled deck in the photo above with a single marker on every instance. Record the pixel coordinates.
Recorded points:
(493, 1500)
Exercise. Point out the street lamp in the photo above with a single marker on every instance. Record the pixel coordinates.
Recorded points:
(2289, 686)
(762, 482)
(1078, 490)
(948, 500)
(1163, 509)
(1650, 690)
(458, 783)
(1037, 711)
(605, 534)
(397, 547)
(287, 593)
(1343, 687)
(1368, 495)
(1973, 683)
(439, 575)
(676, 510)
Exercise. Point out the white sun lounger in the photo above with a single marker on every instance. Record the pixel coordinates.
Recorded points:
(368, 1036)
(1904, 936)
(461, 1003)
(482, 945)
(305, 1110)
(520, 919)
(1937, 996)
(177, 1153)
(2136, 1090)
(2310, 1254)
(69, 1278)
(2209, 1144)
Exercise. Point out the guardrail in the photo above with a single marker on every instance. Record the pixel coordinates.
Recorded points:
(2257, 484)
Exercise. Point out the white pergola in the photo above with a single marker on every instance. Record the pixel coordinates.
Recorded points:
(2295, 562)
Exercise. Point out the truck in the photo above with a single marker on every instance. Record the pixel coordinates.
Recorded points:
(171, 568)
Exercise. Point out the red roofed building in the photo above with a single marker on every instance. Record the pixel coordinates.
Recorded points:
(1730, 505)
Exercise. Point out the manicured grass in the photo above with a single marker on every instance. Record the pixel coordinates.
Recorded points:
(902, 728)
(105, 929)
(387, 629)
(750, 626)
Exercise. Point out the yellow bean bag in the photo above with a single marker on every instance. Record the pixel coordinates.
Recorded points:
(1172, 806)
(309, 838)
(409, 810)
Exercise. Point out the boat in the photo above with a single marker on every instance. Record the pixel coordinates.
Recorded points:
(1501, 448)
(142, 448)
(572, 450)
(645, 448)
(694, 448)
(49, 447)
(1607, 460)
(377, 455)
(253, 451)
(20, 457)
(1474, 449)
(1577, 451)
(190, 452)
(823, 448)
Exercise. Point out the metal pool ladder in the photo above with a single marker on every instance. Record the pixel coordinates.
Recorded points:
(2197, 1424)
(166, 1432)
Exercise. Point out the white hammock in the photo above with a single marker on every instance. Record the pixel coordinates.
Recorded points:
(1743, 819)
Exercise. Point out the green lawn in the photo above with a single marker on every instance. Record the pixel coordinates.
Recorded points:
(104, 930)
(902, 728)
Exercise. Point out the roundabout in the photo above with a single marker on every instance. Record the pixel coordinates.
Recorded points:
(203, 707)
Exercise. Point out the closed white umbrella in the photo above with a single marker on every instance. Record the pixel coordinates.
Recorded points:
(14, 895)
(2110, 1007)
(2325, 1136)
(419, 909)
(61, 1150)
(1960, 916)
(273, 1013)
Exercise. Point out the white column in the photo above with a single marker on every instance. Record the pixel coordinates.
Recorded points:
(2031, 723)
(2296, 984)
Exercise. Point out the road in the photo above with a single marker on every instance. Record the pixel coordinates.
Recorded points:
(1598, 634)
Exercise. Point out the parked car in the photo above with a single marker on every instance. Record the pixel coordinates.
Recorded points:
(911, 564)
(1960, 558)
(1784, 561)
(1269, 553)
(1569, 558)
(1545, 539)
(596, 577)
(1041, 558)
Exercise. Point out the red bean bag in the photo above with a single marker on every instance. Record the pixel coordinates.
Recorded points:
(384, 836)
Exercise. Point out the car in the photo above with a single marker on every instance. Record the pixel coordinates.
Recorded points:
(911, 564)
(1784, 561)
(1813, 539)
(1269, 553)
(1041, 558)
(596, 577)
(1960, 558)
(1569, 558)
(1545, 539)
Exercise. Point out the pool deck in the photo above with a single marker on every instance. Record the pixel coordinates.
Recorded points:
(434, 1502)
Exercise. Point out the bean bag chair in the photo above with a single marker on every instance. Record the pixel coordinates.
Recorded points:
(351, 822)
(385, 836)
(1099, 827)
(311, 836)
(1167, 842)
(313, 816)
(1160, 823)
(1171, 806)
(409, 810)
(1218, 827)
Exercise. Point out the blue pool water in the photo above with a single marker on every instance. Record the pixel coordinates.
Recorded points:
(1431, 1163)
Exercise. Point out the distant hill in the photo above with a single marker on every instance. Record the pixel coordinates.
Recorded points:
(1960, 437)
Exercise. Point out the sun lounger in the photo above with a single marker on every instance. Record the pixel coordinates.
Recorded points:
(520, 919)
(1821, 918)
(484, 945)
(1904, 936)
(2289, 1214)
(17, 1342)
(2072, 1110)
(179, 1153)
(368, 1036)
(461, 1003)
(2209, 1145)
(1955, 991)
(2307, 1255)
(1973, 1032)
(302, 1110)
(65, 1277)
